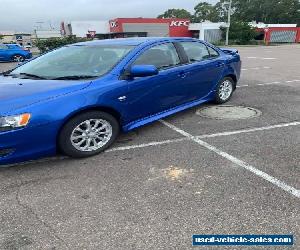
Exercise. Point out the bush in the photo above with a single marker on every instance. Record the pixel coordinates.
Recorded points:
(240, 33)
(53, 43)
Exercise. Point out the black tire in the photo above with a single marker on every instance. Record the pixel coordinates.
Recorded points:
(65, 144)
(218, 99)
(18, 58)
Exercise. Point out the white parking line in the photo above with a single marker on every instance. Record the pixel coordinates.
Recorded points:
(261, 58)
(256, 68)
(227, 133)
(293, 81)
(144, 145)
(249, 130)
(267, 83)
(236, 161)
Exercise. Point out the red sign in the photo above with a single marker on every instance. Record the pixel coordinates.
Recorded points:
(91, 33)
(178, 27)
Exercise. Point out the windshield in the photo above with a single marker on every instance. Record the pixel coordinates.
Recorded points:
(73, 62)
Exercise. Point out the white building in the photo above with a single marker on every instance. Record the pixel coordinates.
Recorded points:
(260, 25)
(45, 34)
(208, 31)
(21, 38)
(7, 36)
(86, 28)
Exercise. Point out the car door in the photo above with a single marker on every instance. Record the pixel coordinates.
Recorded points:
(154, 94)
(205, 67)
(3, 52)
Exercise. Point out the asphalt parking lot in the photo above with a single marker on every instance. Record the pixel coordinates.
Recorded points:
(162, 183)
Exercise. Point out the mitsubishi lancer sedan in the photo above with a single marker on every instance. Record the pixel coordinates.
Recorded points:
(14, 53)
(77, 99)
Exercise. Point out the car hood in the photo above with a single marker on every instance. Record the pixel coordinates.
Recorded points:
(17, 93)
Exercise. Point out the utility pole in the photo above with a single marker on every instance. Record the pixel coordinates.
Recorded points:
(228, 22)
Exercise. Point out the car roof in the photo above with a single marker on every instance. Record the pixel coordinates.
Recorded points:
(133, 41)
(10, 44)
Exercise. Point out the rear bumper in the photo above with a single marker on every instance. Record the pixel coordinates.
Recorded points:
(27, 144)
(29, 55)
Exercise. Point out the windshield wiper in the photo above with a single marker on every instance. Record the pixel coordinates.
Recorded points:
(26, 74)
(7, 73)
(32, 75)
(74, 77)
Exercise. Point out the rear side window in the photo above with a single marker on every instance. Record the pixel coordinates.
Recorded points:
(161, 56)
(212, 52)
(195, 51)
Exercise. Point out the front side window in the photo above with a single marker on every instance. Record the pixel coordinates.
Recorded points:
(74, 62)
(195, 51)
(212, 52)
(161, 56)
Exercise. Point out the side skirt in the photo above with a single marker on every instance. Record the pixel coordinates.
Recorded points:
(158, 116)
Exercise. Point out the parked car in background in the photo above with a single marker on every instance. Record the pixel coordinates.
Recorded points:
(76, 99)
(14, 53)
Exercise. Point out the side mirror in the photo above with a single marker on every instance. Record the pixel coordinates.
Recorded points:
(143, 70)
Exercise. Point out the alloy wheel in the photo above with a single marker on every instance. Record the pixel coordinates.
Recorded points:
(91, 135)
(18, 58)
(225, 90)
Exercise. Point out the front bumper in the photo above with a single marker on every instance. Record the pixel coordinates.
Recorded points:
(27, 144)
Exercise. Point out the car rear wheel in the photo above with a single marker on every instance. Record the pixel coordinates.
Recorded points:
(224, 90)
(88, 134)
(18, 58)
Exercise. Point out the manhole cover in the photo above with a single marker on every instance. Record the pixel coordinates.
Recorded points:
(228, 112)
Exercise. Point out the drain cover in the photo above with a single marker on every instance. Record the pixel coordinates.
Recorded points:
(228, 112)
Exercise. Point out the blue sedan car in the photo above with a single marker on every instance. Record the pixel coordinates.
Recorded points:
(13, 53)
(78, 98)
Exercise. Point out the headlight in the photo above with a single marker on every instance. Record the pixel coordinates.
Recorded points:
(15, 121)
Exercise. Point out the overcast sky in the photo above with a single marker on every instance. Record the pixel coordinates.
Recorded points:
(22, 15)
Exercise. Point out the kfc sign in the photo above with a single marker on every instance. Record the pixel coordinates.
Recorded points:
(113, 24)
(179, 23)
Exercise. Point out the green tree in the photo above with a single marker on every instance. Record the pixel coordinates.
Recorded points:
(240, 32)
(205, 11)
(271, 11)
(53, 43)
(1, 37)
(175, 13)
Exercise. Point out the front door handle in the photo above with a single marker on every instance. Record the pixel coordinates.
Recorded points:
(182, 74)
(220, 64)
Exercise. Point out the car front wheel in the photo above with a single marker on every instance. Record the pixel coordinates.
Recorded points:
(224, 90)
(88, 134)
